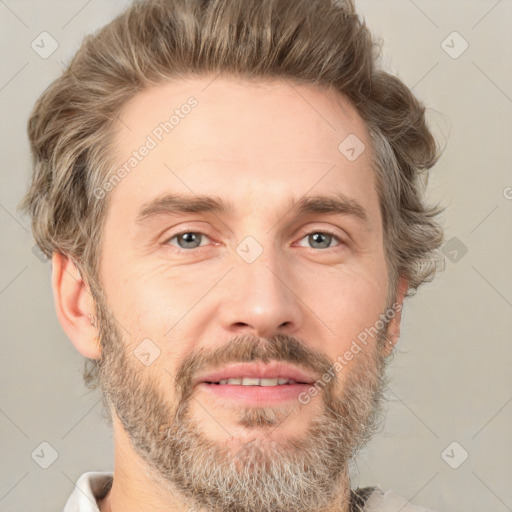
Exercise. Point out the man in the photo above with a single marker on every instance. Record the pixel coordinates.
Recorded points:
(230, 194)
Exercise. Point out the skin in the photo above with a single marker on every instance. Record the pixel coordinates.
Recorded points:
(258, 145)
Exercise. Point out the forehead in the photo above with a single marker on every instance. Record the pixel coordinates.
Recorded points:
(260, 143)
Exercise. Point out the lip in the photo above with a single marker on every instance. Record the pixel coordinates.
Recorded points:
(271, 370)
(261, 396)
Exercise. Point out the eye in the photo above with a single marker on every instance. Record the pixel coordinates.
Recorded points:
(321, 239)
(187, 239)
(192, 240)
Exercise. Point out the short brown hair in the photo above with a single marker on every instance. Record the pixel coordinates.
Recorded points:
(322, 42)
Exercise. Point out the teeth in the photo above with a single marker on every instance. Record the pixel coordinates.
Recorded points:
(250, 381)
(253, 381)
(268, 382)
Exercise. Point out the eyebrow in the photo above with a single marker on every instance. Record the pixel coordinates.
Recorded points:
(169, 204)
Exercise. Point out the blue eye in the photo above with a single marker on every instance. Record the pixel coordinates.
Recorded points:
(323, 238)
(189, 240)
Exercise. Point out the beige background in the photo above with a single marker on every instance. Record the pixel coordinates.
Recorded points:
(452, 374)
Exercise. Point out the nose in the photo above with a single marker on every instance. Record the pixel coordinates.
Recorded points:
(260, 298)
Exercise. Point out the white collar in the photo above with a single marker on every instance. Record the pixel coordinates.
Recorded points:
(90, 487)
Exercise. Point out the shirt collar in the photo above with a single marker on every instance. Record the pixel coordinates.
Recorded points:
(90, 487)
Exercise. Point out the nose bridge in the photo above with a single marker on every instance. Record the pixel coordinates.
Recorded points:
(258, 269)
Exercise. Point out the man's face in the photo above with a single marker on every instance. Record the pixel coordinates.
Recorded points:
(192, 293)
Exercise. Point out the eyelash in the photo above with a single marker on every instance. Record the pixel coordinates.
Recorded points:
(321, 232)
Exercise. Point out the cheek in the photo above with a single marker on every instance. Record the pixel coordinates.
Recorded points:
(348, 299)
(151, 302)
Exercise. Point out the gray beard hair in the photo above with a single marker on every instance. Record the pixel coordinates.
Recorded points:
(294, 475)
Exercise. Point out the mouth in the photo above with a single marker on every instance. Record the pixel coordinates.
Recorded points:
(255, 381)
(256, 384)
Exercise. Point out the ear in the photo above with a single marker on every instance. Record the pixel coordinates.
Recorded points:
(74, 306)
(394, 324)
